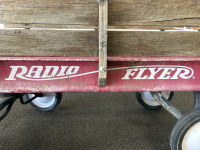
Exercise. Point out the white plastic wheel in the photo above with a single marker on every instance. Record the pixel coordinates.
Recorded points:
(186, 133)
(48, 102)
(148, 99)
(44, 102)
(191, 140)
(148, 102)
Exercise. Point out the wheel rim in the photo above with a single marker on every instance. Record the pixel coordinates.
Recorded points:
(148, 99)
(191, 140)
(46, 101)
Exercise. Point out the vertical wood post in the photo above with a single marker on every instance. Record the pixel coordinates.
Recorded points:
(103, 23)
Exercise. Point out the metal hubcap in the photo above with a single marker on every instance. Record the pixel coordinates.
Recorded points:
(148, 99)
(46, 101)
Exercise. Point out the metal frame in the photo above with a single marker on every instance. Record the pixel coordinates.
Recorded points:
(170, 108)
(167, 105)
(183, 74)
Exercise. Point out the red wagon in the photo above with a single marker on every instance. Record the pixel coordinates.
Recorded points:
(45, 52)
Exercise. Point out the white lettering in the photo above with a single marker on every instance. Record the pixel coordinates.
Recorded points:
(37, 72)
(140, 74)
(48, 68)
(153, 72)
(137, 72)
(166, 72)
(62, 71)
(129, 73)
(14, 71)
(69, 71)
(182, 75)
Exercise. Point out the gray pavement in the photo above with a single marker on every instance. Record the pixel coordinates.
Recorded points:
(96, 121)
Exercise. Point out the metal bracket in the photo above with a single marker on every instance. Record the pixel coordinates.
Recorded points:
(166, 105)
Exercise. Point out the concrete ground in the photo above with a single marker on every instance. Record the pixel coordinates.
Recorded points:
(96, 121)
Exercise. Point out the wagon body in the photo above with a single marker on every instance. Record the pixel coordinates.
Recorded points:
(46, 37)
(53, 46)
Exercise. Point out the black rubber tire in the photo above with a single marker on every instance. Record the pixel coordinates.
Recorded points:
(149, 107)
(181, 128)
(52, 107)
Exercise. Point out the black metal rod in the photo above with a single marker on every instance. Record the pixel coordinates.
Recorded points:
(166, 105)
(9, 103)
(7, 111)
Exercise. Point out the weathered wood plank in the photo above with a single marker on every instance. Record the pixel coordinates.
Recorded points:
(160, 43)
(43, 3)
(53, 26)
(103, 24)
(48, 43)
(161, 28)
(72, 13)
(37, 13)
(154, 13)
(85, 43)
(152, 1)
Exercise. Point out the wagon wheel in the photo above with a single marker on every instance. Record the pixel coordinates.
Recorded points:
(48, 102)
(148, 102)
(186, 133)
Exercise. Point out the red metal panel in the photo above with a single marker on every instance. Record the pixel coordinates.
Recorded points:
(23, 74)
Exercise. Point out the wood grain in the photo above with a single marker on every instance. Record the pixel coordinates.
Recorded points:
(154, 13)
(152, 28)
(85, 43)
(48, 13)
(80, 14)
(103, 25)
(48, 43)
(160, 43)
(53, 26)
